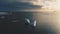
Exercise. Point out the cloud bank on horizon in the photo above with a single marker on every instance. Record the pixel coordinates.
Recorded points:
(50, 4)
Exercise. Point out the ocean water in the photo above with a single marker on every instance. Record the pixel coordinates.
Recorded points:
(47, 23)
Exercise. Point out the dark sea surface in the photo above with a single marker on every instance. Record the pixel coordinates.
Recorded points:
(15, 24)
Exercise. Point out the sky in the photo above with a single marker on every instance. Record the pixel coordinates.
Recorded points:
(47, 4)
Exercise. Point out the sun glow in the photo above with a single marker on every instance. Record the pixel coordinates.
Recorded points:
(36, 2)
(53, 5)
(48, 4)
